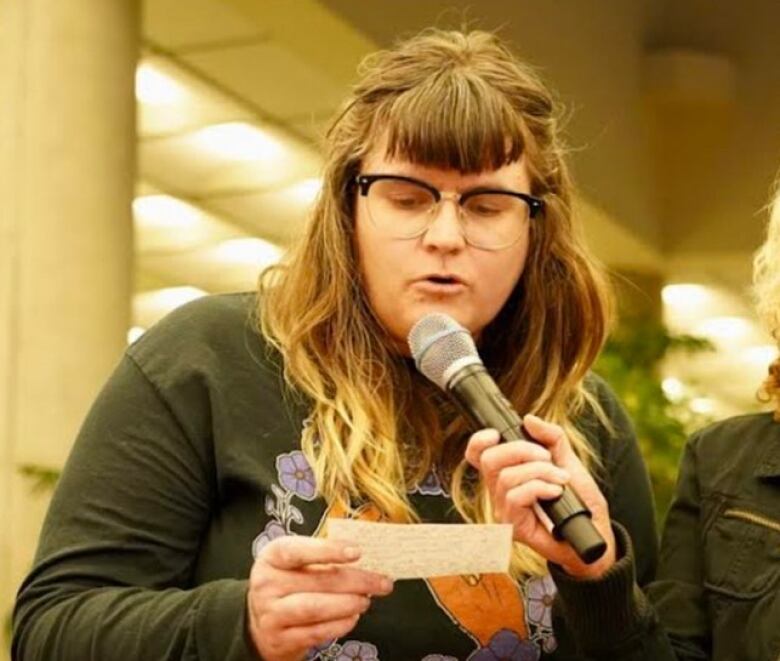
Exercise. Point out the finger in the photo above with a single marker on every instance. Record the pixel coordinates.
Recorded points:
(296, 551)
(496, 459)
(535, 472)
(548, 434)
(478, 443)
(302, 638)
(514, 476)
(332, 579)
(525, 495)
(305, 608)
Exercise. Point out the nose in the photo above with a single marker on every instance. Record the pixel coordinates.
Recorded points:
(445, 231)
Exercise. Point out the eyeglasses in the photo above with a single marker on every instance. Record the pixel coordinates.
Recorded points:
(405, 207)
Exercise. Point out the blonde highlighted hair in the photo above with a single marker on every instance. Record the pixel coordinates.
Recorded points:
(459, 101)
(766, 286)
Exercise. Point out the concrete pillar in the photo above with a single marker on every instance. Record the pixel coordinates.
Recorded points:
(67, 160)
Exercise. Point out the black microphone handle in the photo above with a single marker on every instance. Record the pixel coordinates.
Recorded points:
(479, 396)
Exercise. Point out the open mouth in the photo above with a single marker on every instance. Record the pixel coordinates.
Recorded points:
(443, 280)
(441, 285)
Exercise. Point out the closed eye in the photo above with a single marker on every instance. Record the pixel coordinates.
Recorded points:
(408, 202)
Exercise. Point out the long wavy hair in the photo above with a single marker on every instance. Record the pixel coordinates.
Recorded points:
(451, 100)
(766, 286)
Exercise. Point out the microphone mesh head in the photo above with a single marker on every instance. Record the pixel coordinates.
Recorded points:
(437, 342)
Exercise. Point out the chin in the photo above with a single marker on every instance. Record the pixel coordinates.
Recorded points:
(463, 317)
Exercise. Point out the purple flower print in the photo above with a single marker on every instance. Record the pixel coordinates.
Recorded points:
(541, 593)
(273, 529)
(506, 646)
(354, 650)
(296, 475)
(317, 651)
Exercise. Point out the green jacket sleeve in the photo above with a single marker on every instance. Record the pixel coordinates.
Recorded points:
(112, 576)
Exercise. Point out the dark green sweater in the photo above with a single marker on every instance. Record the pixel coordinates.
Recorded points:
(190, 458)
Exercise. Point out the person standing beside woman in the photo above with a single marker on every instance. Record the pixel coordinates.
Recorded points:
(189, 520)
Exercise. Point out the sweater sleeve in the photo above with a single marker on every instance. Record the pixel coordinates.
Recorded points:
(113, 572)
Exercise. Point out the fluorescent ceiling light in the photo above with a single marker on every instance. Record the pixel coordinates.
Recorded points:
(169, 298)
(238, 141)
(164, 211)
(173, 297)
(761, 356)
(702, 405)
(306, 190)
(251, 252)
(724, 329)
(673, 388)
(134, 333)
(151, 306)
(154, 88)
(685, 295)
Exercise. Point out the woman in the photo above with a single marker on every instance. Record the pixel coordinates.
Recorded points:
(224, 431)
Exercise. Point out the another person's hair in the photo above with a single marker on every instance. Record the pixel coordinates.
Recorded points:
(766, 281)
(450, 100)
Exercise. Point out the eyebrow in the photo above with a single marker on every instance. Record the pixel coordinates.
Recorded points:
(489, 185)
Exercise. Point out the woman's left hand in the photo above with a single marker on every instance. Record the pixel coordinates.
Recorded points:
(519, 473)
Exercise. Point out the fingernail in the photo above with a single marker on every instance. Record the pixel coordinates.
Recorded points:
(351, 552)
(564, 475)
(488, 435)
(387, 585)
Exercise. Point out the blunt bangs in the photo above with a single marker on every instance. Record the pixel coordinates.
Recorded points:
(451, 121)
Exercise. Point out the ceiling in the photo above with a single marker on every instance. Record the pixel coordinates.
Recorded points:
(672, 125)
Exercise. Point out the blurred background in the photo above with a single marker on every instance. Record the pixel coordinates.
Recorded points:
(154, 151)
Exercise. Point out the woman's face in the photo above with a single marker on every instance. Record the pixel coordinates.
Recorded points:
(402, 276)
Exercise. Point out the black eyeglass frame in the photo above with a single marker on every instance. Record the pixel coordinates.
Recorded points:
(364, 181)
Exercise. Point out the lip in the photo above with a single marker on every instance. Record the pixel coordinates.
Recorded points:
(439, 288)
(456, 279)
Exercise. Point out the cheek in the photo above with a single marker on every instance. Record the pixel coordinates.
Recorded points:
(502, 272)
(376, 263)
(383, 267)
(498, 277)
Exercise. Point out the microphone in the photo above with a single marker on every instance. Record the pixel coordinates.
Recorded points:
(445, 353)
